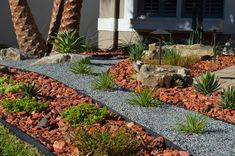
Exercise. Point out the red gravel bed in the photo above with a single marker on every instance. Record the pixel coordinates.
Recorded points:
(60, 97)
(185, 97)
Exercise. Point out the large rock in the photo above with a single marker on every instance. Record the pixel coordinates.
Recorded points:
(188, 50)
(163, 76)
(12, 54)
(60, 58)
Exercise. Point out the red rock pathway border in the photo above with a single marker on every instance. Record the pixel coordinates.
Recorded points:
(60, 97)
(186, 97)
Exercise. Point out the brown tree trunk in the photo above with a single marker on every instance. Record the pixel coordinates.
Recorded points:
(28, 37)
(56, 16)
(71, 15)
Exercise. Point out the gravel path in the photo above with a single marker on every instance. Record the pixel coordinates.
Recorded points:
(219, 139)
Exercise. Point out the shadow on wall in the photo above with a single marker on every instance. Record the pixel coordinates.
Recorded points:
(41, 11)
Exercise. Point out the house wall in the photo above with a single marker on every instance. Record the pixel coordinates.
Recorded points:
(41, 10)
(129, 23)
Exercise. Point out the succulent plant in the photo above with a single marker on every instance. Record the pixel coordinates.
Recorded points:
(207, 83)
(228, 98)
(103, 82)
(30, 89)
(80, 67)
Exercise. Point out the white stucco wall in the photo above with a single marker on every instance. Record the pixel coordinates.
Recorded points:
(41, 10)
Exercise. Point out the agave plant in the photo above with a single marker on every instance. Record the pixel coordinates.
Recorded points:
(228, 98)
(68, 42)
(194, 124)
(207, 83)
(30, 90)
(144, 98)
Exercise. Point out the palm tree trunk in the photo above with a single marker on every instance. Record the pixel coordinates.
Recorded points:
(71, 15)
(28, 36)
(58, 6)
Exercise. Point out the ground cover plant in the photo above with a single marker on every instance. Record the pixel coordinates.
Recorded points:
(51, 129)
(80, 66)
(8, 85)
(182, 96)
(85, 114)
(10, 145)
(103, 82)
(194, 124)
(144, 98)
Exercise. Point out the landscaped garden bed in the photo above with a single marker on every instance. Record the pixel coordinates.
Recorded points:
(44, 110)
(124, 75)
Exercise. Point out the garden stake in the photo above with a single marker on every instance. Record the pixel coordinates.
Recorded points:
(214, 44)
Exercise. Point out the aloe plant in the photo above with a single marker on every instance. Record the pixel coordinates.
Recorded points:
(228, 98)
(207, 83)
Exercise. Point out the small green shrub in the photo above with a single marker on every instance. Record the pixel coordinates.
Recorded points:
(103, 82)
(69, 42)
(80, 67)
(144, 99)
(194, 124)
(136, 51)
(228, 98)
(85, 114)
(30, 90)
(7, 85)
(27, 104)
(97, 143)
(207, 83)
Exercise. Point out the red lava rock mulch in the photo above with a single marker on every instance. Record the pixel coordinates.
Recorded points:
(56, 135)
(186, 97)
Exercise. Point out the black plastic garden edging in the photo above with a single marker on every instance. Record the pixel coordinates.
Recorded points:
(25, 137)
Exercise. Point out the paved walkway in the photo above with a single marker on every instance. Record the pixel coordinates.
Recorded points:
(227, 76)
(219, 139)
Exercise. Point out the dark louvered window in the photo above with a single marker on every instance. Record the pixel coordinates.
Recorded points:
(157, 8)
(211, 8)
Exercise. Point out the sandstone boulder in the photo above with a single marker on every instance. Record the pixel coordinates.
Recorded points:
(13, 54)
(163, 76)
(60, 58)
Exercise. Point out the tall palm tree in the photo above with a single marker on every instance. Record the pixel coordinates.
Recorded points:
(71, 15)
(28, 36)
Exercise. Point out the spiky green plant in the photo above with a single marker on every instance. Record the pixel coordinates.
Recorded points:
(80, 67)
(103, 82)
(194, 124)
(30, 89)
(144, 98)
(136, 51)
(207, 83)
(228, 98)
(69, 42)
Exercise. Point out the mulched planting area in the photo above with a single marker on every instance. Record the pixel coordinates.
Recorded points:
(124, 76)
(55, 135)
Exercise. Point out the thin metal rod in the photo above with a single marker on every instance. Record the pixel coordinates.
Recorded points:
(160, 50)
(214, 44)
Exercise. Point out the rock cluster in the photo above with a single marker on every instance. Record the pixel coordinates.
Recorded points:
(13, 54)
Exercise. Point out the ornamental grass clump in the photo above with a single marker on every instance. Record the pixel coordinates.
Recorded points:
(194, 124)
(69, 42)
(85, 114)
(207, 83)
(80, 66)
(102, 142)
(144, 98)
(8, 85)
(136, 51)
(26, 104)
(103, 82)
(228, 98)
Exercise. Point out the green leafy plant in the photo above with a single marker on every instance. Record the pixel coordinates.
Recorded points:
(85, 114)
(97, 143)
(144, 98)
(69, 42)
(194, 124)
(7, 85)
(136, 51)
(207, 83)
(80, 66)
(228, 98)
(103, 82)
(30, 90)
(27, 104)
